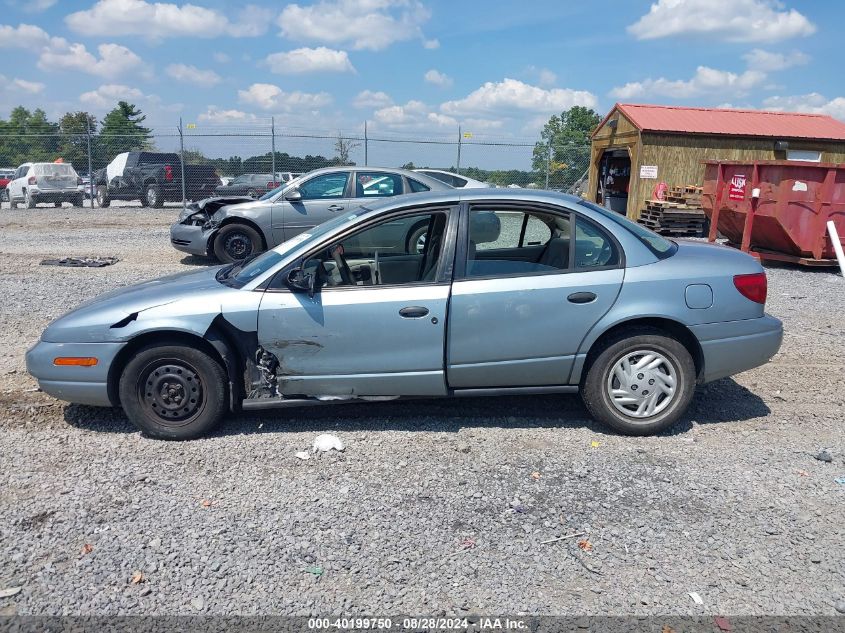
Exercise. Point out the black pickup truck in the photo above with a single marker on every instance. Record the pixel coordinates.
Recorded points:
(153, 178)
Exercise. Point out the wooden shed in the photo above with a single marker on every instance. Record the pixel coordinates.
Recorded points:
(637, 146)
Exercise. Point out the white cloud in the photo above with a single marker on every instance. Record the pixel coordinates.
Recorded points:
(36, 6)
(113, 61)
(730, 20)
(361, 24)
(513, 96)
(32, 87)
(163, 19)
(221, 58)
(215, 115)
(309, 60)
(192, 75)
(414, 114)
(25, 36)
(544, 76)
(758, 59)
(811, 103)
(431, 44)
(370, 99)
(437, 78)
(706, 81)
(107, 96)
(272, 98)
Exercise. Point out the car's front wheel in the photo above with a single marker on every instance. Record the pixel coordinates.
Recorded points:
(173, 392)
(640, 382)
(235, 242)
(103, 199)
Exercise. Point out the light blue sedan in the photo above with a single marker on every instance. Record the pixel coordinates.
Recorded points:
(514, 292)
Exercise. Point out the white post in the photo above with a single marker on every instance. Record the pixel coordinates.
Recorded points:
(837, 245)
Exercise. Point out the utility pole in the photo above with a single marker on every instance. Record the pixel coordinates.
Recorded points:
(182, 162)
(548, 162)
(90, 171)
(366, 146)
(273, 144)
(458, 166)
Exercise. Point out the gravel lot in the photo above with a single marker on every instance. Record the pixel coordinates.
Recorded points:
(435, 507)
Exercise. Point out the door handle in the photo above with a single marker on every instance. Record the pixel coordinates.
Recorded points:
(336, 207)
(413, 312)
(582, 297)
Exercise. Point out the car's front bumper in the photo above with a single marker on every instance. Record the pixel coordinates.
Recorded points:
(82, 385)
(193, 239)
(732, 347)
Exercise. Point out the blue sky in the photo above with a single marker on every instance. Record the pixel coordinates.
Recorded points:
(415, 67)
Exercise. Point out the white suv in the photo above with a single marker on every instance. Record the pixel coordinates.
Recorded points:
(44, 182)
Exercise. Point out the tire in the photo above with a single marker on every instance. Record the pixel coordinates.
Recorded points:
(415, 243)
(237, 241)
(58, 205)
(79, 201)
(12, 203)
(159, 379)
(103, 199)
(675, 362)
(153, 197)
(29, 200)
(252, 193)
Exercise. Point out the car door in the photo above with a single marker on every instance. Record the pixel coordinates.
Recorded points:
(379, 333)
(526, 293)
(322, 197)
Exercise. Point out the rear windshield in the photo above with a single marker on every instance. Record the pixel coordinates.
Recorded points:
(54, 169)
(660, 246)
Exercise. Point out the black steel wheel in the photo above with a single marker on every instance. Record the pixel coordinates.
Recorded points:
(173, 392)
(235, 242)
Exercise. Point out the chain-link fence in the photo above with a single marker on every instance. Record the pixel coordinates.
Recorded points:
(183, 162)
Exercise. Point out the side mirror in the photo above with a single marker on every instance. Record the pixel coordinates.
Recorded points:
(293, 196)
(300, 281)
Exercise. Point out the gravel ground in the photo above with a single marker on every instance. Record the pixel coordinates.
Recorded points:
(435, 507)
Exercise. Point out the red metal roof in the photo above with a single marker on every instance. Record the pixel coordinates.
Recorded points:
(677, 119)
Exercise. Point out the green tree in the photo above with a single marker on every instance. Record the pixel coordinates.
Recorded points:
(73, 146)
(569, 134)
(122, 131)
(28, 136)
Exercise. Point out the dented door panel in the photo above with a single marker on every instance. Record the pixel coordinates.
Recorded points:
(354, 342)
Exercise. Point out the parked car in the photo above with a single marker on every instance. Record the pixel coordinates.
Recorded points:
(252, 185)
(153, 178)
(452, 179)
(33, 183)
(240, 230)
(516, 292)
(6, 174)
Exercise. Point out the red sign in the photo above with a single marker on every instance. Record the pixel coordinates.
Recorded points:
(737, 190)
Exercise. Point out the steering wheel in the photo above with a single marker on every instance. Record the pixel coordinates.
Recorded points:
(342, 266)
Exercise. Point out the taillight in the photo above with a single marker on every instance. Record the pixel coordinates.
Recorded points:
(272, 185)
(752, 286)
(168, 173)
(32, 180)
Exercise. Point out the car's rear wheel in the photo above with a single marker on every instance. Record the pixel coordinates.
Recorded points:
(103, 199)
(30, 200)
(153, 197)
(173, 392)
(235, 242)
(640, 382)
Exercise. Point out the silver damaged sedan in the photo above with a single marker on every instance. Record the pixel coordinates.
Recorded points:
(513, 292)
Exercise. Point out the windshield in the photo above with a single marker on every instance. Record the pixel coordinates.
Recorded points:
(658, 245)
(244, 272)
(275, 192)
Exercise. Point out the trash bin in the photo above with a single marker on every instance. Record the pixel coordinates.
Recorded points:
(776, 209)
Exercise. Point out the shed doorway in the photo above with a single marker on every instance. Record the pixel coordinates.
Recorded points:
(614, 180)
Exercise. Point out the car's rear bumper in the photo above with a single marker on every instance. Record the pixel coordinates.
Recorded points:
(191, 239)
(54, 195)
(732, 347)
(82, 385)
